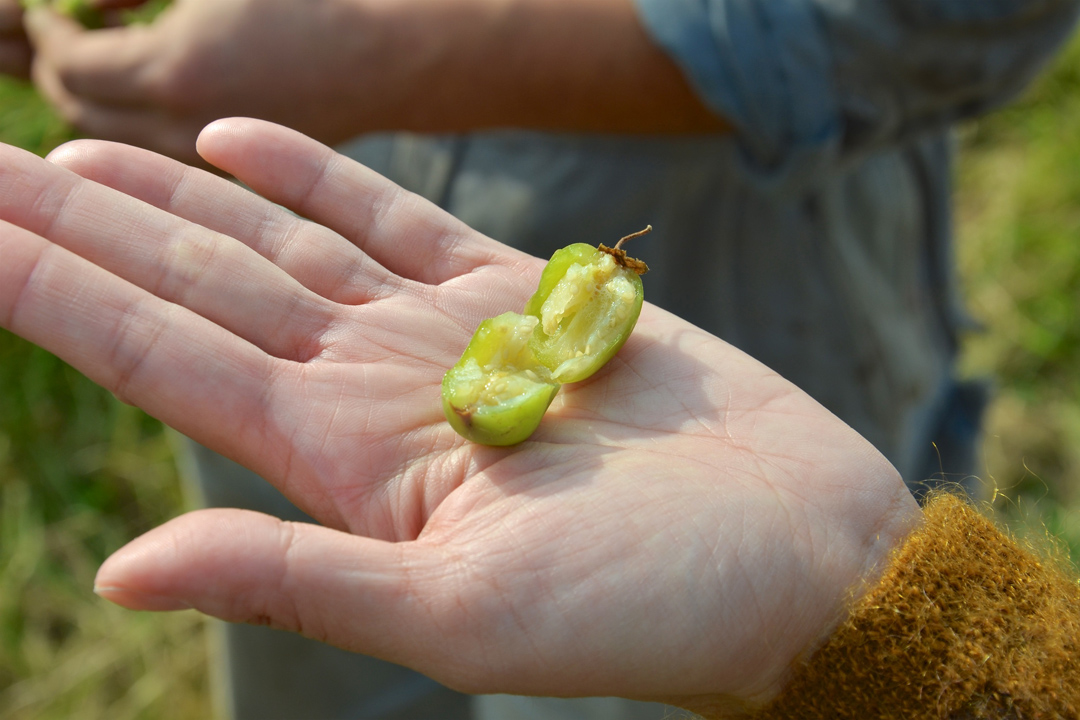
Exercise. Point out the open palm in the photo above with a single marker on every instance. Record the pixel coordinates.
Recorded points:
(683, 524)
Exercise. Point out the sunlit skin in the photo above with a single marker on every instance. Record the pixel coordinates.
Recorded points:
(683, 524)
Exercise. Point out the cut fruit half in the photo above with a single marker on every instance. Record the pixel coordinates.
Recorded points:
(586, 305)
(498, 392)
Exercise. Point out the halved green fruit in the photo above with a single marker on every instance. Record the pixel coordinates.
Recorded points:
(587, 303)
(586, 307)
(498, 392)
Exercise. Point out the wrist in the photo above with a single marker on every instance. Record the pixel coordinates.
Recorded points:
(964, 622)
(844, 544)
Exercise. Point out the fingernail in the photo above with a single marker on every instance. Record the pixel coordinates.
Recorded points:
(134, 600)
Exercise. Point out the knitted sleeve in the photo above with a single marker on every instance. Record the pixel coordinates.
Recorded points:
(963, 624)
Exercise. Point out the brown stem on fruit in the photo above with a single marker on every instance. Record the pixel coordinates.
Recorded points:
(620, 255)
(465, 415)
(631, 236)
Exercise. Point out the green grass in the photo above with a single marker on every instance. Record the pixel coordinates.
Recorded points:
(80, 473)
(26, 121)
(1019, 256)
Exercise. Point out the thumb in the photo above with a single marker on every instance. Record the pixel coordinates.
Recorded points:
(47, 27)
(360, 594)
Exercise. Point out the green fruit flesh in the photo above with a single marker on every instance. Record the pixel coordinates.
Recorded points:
(587, 305)
(498, 393)
(583, 311)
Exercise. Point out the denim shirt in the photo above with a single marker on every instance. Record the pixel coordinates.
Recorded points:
(814, 85)
(817, 237)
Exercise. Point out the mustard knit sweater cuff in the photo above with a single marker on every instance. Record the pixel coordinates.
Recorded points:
(964, 623)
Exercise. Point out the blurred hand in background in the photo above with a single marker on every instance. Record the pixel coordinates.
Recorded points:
(335, 69)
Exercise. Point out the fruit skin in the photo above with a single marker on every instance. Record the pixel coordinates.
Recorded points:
(553, 350)
(497, 393)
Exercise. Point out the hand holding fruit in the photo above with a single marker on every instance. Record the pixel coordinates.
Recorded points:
(157, 84)
(685, 523)
(16, 52)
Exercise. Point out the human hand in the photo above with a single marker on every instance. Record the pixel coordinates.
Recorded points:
(156, 85)
(15, 52)
(335, 69)
(684, 524)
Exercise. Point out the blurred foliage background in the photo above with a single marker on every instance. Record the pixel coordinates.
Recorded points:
(80, 473)
(1018, 221)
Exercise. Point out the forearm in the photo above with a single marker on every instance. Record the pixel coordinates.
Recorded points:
(562, 65)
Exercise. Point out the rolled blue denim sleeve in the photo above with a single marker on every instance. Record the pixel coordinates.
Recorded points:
(765, 66)
(809, 83)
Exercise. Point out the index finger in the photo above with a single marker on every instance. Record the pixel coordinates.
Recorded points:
(109, 65)
(401, 231)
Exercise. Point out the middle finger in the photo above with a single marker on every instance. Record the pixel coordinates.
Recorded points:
(205, 271)
(319, 258)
